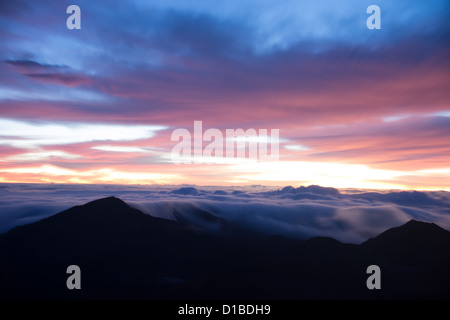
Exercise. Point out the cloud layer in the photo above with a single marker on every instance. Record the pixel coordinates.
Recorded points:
(348, 215)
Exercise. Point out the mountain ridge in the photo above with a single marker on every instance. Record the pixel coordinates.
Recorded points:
(111, 240)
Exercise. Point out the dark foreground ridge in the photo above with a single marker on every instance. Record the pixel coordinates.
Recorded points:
(126, 254)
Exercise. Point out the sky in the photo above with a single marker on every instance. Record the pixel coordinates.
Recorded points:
(355, 108)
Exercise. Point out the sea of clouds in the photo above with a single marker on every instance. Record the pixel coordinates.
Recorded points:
(350, 216)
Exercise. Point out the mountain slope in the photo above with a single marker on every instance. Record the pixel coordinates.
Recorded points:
(124, 253)
(415, 259)
(106, 236)
(415, 241)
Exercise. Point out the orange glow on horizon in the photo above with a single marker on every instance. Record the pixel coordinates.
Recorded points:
(277, 174)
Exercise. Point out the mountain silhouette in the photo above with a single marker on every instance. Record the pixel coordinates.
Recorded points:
(416, 255)
(415, 237)
(126, 254)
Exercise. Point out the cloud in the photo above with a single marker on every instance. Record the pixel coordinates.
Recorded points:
(30, 65)
(52, 173)
(56, 78)
(368, 221)
(186, 191)
(23, 134)
(48, 73)
(39, 156)
(349, 217)
(120, 149)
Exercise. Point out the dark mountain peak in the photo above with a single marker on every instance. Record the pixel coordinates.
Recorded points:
(107, 216)
(108, 199)
(414, 222)
(412, 237)
(105, 208)
(415, 228)
(106, 203)
(421, 225)
(322, 241)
